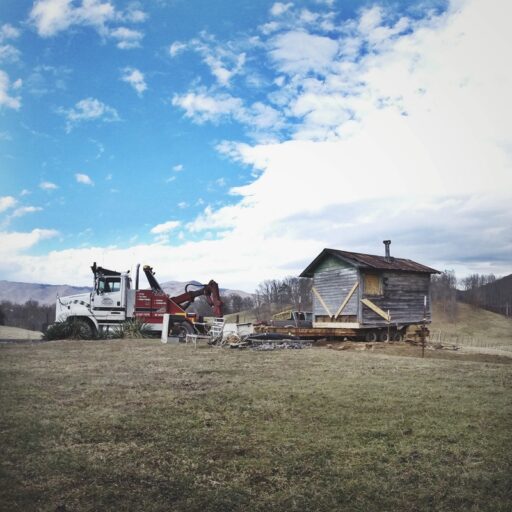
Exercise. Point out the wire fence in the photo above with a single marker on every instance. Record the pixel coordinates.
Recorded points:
(464, 340)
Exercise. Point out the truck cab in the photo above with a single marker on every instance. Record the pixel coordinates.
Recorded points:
(112, 298)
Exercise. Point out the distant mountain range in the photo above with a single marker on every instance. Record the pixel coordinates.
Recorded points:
(19, 293)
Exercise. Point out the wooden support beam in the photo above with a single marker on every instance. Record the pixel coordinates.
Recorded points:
(319, 297)
(346, 299)
(368, 303)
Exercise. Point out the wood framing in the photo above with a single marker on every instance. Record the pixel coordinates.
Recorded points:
(346, 299)
(324, 305)
(376, 309)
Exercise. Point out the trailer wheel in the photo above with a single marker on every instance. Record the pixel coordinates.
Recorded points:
(185, 328)
(383, 336)
(398, 336)
(370, 336)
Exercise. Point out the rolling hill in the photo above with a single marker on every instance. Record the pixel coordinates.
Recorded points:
(19, 293)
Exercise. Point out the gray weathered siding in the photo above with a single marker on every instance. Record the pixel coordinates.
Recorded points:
(333, 284)
(403, 297)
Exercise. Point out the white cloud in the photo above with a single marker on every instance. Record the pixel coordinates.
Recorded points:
(202, 107)
(7, 31)
(89, 109)
(165, 227)
(176, 48)
(6, 100)
(178, 168)
(8, 53)
(53, 16)
(7, 202)
(127, 38)
(225, 61)
(280, 8)
(301, 52)
(84, 179)
(14, 242)
(135, 78)
(23, 210)
(182, 204)
(162, 231)
(47, 185)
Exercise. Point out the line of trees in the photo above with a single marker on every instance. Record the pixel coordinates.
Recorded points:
(444, 292)
(479, 290)
(31, 315)
(488, 292)
(274, 295)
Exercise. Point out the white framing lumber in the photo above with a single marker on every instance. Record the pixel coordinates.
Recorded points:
(374, 307)
(319, 297)
(345, 301)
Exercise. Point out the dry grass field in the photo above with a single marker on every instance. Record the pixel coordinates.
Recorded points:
(140, 426)
(473, 327)
(15, 333)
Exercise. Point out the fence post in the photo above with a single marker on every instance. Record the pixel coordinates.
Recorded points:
(165, 328)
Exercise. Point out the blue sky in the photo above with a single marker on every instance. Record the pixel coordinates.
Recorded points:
(235, 140)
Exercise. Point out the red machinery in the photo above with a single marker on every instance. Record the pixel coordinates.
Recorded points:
(151, 305)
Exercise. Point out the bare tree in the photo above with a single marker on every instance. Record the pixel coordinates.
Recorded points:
(444, 292)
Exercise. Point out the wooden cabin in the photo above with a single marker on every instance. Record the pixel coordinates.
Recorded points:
(360, 291)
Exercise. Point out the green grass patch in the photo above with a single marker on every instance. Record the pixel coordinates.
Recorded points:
(137, 425)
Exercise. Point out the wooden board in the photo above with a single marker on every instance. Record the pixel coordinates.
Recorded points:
(376, 309)
(346, 299)
(319, 297)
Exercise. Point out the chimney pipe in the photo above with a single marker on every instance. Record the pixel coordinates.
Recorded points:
(387, 243)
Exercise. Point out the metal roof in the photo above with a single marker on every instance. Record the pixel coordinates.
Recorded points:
(369, 261)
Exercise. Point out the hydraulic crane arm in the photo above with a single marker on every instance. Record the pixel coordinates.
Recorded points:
(210, 292)
(150, 275)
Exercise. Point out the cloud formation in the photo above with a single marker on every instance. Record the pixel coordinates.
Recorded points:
(88, 109)
(47, 185)
(135, 78)
(84, 179)
(50, 17)
(6, 97)
(7, 202)
(381, 126)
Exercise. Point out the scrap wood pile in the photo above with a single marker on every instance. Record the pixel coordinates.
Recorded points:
(265, 342)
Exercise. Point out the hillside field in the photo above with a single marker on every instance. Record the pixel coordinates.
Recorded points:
(137, 425)
(473, 327)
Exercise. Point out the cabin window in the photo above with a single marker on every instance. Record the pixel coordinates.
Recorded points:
(372, 284)
(109, 284)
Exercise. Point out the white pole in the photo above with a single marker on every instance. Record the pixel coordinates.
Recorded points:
(165, 327)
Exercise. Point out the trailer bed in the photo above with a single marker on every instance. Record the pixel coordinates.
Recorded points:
(308, 332)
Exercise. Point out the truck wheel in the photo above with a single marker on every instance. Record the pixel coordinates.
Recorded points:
(185, 328)
(82, 329)
(370, 336)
